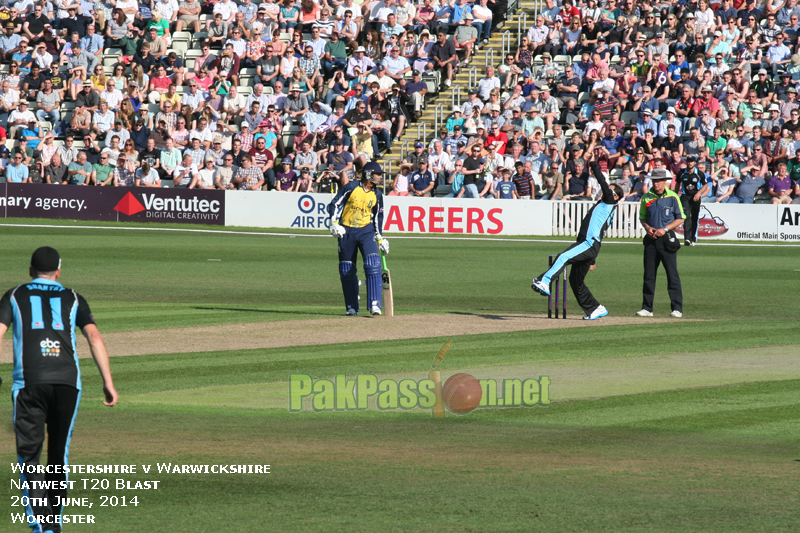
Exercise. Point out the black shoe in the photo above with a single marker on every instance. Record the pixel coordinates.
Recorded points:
(687, 242)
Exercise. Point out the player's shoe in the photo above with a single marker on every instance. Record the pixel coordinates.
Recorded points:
(540, 287)
(597, 313)
(375, 310)
(676, 314)
(351, 312)
(644, 312)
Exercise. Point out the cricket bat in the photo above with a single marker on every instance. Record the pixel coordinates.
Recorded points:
(388, 298)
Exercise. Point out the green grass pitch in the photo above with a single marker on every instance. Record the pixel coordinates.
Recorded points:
(686, 425)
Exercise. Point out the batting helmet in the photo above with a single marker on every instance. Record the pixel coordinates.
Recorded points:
(372, 172)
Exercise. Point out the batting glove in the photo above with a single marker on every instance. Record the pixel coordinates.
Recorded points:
(383, 245)
(337, 230)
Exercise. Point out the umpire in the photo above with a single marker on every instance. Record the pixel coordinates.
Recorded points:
(661, 211)
(47, 382)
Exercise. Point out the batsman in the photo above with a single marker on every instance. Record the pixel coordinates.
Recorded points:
(357, 220)
(582, 254)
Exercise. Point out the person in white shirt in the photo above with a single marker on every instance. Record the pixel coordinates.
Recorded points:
(203, 132)
(112, 96)
(227, 9)
(485, 85)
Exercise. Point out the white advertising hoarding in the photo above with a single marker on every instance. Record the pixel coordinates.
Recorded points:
(409, 215)
(401, 214)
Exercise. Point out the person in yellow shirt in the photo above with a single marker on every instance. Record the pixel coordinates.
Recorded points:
(357, 221)
(362, 145)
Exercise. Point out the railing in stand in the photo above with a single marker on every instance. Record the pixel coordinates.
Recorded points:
(438, 117)
(488, 59)
(423, 128)
(455, 96)
(473, 77)
(505, 46)
(522, 26)
(404, 148)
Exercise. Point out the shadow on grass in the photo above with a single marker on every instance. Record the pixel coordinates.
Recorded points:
(482, 315)
(269, 311)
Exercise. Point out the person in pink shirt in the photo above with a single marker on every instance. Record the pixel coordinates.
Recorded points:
(400, 185)
(707, 101)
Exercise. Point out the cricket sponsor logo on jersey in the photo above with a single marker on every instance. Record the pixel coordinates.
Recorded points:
(461, 393)
(50, 348)
(311, 214)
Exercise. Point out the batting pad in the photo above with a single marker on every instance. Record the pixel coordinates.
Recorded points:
(349, 275)
(372, 267)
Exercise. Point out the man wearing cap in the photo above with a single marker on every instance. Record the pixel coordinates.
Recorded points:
(47, 379)
(776, 147)
(295, 106)
(465, 37)
(10, 42)
(88, 97)
(763, 87)
(790, 104)
(706, 102)
(773, 119)
(360, 60)
(421, 182)
(451, 143)
(647, 123)
(416, 89)
(660, 212)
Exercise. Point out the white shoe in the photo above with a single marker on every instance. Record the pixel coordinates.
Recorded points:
(540, 287)
(486, 41)
(644, 312)
(466, 63)
(375, 310)
(597, 313)
(676, 314)
(447, 83)
(351, 312)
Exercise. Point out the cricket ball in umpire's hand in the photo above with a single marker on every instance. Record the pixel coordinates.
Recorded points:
(462, 393)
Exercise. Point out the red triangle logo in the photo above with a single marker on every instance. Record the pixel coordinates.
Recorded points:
(129, 205)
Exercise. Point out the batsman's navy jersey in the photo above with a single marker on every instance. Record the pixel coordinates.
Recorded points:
(44, 315)
(355, 207)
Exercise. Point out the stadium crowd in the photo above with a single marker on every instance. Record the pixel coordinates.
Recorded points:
(688, 87)
(203, 94)
(297, 96)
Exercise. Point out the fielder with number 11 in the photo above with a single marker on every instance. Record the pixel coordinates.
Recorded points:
(357, 221)
(582, 254)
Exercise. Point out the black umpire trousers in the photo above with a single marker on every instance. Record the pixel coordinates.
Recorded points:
(692, 211)
(34, 407)
(655, 255)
